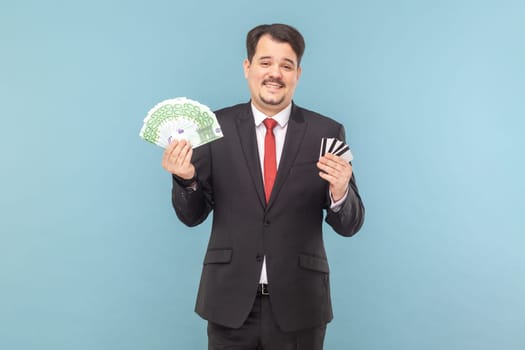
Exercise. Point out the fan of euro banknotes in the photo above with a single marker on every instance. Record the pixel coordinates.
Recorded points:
(180, 118)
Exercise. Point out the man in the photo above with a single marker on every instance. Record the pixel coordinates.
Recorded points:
(265, 279)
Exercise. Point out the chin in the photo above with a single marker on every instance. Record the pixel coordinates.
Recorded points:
(272, 101)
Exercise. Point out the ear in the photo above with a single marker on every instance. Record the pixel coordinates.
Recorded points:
(246, 65)
(299, 71)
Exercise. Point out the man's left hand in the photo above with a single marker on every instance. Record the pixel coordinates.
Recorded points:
(337, 172)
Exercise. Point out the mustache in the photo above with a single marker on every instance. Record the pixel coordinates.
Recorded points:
(275, 81)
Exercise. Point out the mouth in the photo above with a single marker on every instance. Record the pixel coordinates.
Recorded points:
(273, 84)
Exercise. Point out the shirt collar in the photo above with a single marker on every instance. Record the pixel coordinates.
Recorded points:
(282, 117)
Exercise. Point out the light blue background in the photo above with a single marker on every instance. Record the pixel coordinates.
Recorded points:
(431, 94)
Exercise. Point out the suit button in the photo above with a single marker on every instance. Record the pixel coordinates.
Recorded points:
(266, 223)
(259, 258)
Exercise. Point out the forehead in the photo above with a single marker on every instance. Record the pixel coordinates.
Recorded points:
(268, 47)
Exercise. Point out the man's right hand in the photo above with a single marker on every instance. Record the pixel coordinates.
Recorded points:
(177, 159)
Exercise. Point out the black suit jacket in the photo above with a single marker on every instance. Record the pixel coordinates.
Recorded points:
(287, 230)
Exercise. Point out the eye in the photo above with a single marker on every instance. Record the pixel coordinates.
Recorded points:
(265, 64)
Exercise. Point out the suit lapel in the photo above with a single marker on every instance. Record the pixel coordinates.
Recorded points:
(292, 144)
(248, 141)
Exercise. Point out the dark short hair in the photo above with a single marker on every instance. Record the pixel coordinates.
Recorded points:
(282, 33)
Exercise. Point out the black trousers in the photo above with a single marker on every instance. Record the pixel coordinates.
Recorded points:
(260, 332)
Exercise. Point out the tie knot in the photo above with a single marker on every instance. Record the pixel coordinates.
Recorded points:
(269, 123)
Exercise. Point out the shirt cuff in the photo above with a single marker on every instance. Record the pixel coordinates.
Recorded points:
(336, 206)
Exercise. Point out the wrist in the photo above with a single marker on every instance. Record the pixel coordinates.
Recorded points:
(339, 195)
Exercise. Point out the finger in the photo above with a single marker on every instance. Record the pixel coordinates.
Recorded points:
(166, 156)
(325, 176)
(330, 166)
(334, 181)
(339, 165)
(332, 160)
(175, 155)
(168, 152)
(181, 158)
(189, 153)
(328, 162)
(336, 176)
(324, 167)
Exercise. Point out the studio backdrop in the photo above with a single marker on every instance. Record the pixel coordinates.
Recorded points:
(432, 98)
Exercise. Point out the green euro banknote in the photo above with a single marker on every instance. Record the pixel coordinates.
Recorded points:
(180, 118)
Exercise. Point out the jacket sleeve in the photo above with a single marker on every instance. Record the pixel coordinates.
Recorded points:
(192, 205)
(350, 216)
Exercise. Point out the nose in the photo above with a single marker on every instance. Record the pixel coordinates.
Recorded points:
(275, 71)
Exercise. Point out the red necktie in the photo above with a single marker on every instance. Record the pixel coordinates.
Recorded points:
(270, 162)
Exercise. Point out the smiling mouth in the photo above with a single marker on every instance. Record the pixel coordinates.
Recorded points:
(273, 84)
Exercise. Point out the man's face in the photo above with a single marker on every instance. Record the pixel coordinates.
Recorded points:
(272, 75)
